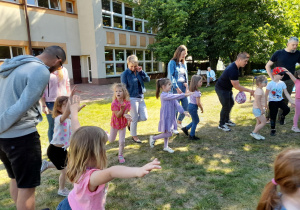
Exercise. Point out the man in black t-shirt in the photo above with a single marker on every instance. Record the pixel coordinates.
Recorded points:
(229, 79)
(286, 58)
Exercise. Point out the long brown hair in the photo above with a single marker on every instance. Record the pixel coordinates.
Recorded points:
(125, 91)
(286, 175)
(177, 53)
(159, 83)
(87, 149)
(58, 104)
(194, 82)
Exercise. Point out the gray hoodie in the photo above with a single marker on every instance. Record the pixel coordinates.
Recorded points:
(22, 83)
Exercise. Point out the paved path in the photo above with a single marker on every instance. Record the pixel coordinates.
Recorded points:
(90, 92)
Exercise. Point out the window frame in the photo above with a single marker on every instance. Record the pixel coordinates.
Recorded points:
(11, 52)
(36, 3)
(72, 3)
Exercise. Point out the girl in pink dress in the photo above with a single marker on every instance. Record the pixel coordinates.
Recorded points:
(119, 119)
(169, 105)
(296, 80)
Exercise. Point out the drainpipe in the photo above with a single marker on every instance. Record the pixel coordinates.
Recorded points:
(27, 26)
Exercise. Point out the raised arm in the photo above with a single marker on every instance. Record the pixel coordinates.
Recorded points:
(293, 78)
(268, 68)
(74, 106)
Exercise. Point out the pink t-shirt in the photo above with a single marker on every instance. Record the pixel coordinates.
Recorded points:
(81, 198)
(297, 84)
(119, 123)
(260, 92)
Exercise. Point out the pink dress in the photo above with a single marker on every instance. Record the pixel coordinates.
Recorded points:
(81, 198)
(119, 123)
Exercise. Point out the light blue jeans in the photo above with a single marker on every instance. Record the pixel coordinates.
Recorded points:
(138, 113)
(50, 121)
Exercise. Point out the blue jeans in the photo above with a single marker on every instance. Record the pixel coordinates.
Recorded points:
(227, 102)
(193, 108)
(50, 121)
(184, 101)
(64, 205)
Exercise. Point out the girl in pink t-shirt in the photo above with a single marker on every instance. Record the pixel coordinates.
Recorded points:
(87, 165)
(259, 106)
(119, 119)
(296, 80)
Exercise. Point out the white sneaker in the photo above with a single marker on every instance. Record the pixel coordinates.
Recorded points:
(175, 132)
(261, 137)
(65, 192)
(224, 128)
(230, 123)
(295, 129)
(44, 166)
(168, 149)
(255, 135)
(151, 141)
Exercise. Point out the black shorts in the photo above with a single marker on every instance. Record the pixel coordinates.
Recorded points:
(58, 156)
(22, 158)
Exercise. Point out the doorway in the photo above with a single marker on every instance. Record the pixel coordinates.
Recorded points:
(76, 69)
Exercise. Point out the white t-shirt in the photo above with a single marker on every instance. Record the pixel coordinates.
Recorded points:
(181, 73)
(276, 89)
(62, 132)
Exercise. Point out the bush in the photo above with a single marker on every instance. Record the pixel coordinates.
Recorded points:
(219, 73)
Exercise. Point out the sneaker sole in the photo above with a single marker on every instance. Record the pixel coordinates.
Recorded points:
(224, 129)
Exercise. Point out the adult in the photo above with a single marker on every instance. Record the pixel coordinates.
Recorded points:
(229, 79)
(210, 76)
(24, 79)
(59, 85)
(286, 58)
(134, 77)
(178, 74)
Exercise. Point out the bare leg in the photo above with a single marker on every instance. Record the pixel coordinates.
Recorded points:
(26, 199)
(262, 122)
(13, 190)
(62, 179)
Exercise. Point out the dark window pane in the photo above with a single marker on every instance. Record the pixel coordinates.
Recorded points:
(138, 26)
(129, 52)
(120, 67)
(148, 67)
(118, 22)
(37, 51)
(90, 76)
(106, 20)
(69, 7)
(89, 63)
(128, 24)
(148, 55)
(43, 3)
(106, 5)
(108, 55)
(128, 10)
(109, 69)
(155, 67)
(119, 55)
(139, 54)
(117, 7)
(16, 51)
(54, 4)
(4, 52)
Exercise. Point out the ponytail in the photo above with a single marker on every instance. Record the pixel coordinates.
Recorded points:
(269, 198)
(159, 83)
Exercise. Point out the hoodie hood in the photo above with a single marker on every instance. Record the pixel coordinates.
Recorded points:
(11, 64)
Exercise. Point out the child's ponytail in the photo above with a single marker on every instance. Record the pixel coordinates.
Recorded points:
(159, 83)
(269, 198)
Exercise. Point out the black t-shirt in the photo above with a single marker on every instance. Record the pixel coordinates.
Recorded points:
(285, 59)
(230, 73)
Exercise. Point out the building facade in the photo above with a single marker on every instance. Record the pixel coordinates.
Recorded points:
(96, 35)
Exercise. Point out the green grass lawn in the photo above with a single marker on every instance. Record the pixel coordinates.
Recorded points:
(221, 171)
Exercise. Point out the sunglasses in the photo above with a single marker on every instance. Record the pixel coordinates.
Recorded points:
(59, 61)
(265, 82)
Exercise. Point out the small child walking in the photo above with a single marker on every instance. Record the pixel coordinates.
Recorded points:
(119, 119)
(196, 82)
(274, 93)
(259, 106)
(169, 105)
(296, 80)
(87, 166)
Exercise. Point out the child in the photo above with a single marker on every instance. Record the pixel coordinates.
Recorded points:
(287, 176)
(259, 105)
(120, 107)
(196, 82)
(274, 93)
(296, 80)
(169, 104)
(87, 166)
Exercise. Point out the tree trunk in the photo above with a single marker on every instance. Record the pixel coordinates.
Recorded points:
(213, 63)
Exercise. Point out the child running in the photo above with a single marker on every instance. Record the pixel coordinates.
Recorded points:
(287, 179)
(296, 80)
(274, 93)
(169, 105)
(196, 82)
(120, 107)
(87, 166)
(259, 106)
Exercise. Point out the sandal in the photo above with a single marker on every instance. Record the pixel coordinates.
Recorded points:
(121, 159)
(136, 141)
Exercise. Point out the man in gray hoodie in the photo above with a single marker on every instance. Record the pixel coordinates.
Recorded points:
(22, 83)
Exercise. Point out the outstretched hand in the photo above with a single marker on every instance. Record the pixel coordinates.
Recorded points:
(188, 93)
(252, 93)
(155, 164)
(74, 104)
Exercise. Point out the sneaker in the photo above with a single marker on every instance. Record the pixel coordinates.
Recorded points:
(168, 149)
(261, 137)
(273, 132)
(195, 138)
(224, 128)
(230, 123)
(65, 192)
(255, 135)
(151, 141)
(185, 131)
(175, 132)
(295, 129)
(281, 121)
(121, 159)
(44, 166)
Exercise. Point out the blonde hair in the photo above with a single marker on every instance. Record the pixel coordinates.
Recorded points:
(87, 149)
(194, 82)
(60, 100)
(159, 83)
(60, 74)
(260, 79)
(177, 54)
(123, 88)
(132, 59)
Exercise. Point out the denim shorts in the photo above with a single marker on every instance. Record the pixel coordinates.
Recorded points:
(256, 112)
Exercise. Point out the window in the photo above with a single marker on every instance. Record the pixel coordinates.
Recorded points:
(148, 55)
(31, 2)
(9, 52)
(139, 54)
(128, 24)
(69, 7)
(118, 22)
(43, 3)
(37, 51)
(117, 7)
(90, 78)
(54, 4)
(148, 67)
(109, 69)
(109, 55)
(138, 26)
(106, 20)
(51, 4)
(106, 5)
(119, 55)
(128, 10)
